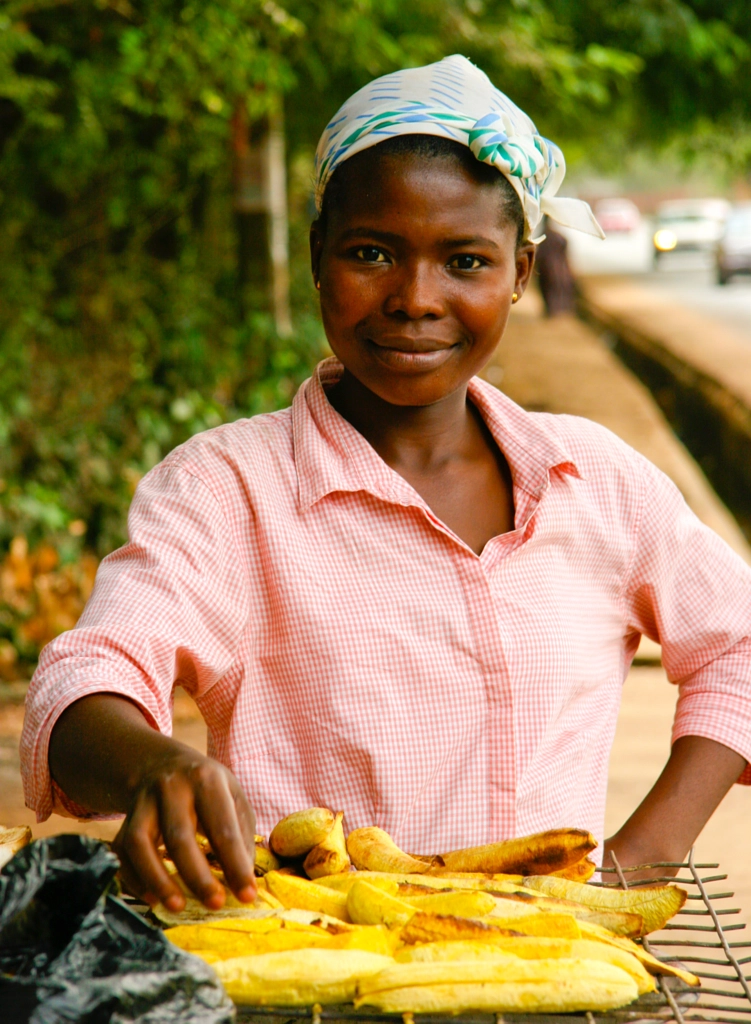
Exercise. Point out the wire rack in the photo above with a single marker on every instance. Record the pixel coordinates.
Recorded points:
(699, 937)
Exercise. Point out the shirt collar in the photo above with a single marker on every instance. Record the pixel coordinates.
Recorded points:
(330, 455)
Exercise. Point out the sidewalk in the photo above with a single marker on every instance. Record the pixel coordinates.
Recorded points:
(700, 368)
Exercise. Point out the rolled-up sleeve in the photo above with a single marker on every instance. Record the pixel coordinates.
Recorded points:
(692, 594)
(170, 606)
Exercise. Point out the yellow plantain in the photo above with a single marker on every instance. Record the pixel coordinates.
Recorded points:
(531, 948)
(231, 941)
(439, 880)
(265, 859)
(552, 986)
(655, 903)
(461, 904)
(13, 839)
(298, 833)
(305, 895)
(194, 911)
(230, 944)
(530, 855)
(329, 857)
(553, 926)
(615, 920)
(485, 881)
(435, 927)
(190, 936)
(370, 939)
(264, 897)
(582, 871)
(207, 955)
(510, 909)
(301, 977)
(652, 964)
(372, 849)
(457, 949)
(370, 904)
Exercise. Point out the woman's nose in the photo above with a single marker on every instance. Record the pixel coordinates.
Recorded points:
(416, 292)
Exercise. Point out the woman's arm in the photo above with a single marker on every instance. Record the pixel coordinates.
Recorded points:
(106, 757)
(697, 776)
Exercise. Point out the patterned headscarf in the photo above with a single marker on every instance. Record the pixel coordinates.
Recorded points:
(455, 100)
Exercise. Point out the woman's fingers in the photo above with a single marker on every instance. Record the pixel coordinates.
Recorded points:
(229, 825)
(143, 871)
(193, 793)
(180, 813)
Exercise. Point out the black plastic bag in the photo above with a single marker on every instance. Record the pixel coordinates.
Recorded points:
(71, 953)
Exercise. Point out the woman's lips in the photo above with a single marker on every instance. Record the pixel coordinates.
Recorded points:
(412, 357)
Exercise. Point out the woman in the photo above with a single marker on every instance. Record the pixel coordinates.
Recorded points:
(404, 596)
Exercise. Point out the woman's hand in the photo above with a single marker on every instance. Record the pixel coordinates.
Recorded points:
(666, 824)
(181, 795)
(106, 757)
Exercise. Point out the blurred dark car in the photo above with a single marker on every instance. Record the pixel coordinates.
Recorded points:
(733, 253)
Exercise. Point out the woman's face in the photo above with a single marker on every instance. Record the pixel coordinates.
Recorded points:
(417, 269)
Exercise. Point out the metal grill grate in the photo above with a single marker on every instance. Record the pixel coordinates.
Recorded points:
(703, 945)
(697, 937)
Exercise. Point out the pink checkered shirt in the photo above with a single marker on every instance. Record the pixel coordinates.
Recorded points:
(348, 650)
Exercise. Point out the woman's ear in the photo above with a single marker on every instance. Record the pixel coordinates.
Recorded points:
(316, 249)
(525, 262)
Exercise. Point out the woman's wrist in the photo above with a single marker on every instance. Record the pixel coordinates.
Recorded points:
(634, 849)
(81, 752)
(666, 824)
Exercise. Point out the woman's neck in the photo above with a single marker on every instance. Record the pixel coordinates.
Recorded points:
(417, 438)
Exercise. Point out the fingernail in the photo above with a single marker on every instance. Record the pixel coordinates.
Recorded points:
(215, 901)
(175, 903)
(248, 894)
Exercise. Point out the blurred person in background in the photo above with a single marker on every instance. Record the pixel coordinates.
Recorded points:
(554, 273)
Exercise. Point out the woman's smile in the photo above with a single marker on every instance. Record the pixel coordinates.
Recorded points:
(411, 355)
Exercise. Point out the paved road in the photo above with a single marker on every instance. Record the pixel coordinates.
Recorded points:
(687, 278)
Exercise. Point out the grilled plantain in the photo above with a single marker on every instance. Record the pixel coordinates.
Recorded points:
(306, 895)
(298, 833)
(329, 857)
(301, 977)
(372, 849)
(655, 903)
(11, 841)
(549, 851)
(552, 986)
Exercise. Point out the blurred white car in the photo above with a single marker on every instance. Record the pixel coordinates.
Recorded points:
(617, 215)
(689, 224)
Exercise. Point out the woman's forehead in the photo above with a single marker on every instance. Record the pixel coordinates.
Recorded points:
(411, 185)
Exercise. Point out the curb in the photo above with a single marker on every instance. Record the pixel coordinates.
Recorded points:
(699, 373)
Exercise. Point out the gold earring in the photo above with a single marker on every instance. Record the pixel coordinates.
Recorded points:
(515, 297)
(318, 285)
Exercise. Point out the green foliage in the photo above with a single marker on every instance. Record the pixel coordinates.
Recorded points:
(694, 87)
(122, 329)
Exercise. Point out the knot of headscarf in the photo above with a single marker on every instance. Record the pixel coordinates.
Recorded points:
(529, 156)
(455, 100)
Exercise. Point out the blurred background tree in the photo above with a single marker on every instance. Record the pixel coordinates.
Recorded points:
(127, 319)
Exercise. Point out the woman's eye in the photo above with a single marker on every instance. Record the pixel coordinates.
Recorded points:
(466, 262)
(369, 254)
